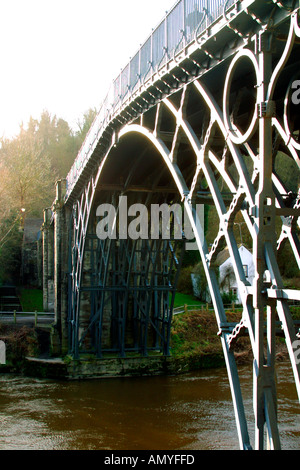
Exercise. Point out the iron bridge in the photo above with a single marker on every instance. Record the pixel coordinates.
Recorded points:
(204, 114)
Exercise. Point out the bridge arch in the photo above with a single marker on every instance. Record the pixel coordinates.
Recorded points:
(115, 180)
(214, 133)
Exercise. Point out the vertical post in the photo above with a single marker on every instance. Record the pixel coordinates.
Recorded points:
(58, 279)
(50, 267)
(45, 229)
(39, 245)
(264, 396)
(57, 209)
(65, 294)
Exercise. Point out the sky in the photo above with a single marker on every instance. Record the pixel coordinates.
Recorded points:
(62, 55)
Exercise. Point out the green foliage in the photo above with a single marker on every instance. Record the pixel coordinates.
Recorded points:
(30, 164)
(59, 143)
(288, 170)
(85, 123)
(190, 258)
(185, 282)
(185, 299)
(10, 249)
(194, 334)
(31, 300)
(228, 298)
(206, 218)
(28, 182)
(20, 343)
(289, 270)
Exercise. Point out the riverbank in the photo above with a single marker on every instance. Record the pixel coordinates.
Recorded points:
(195, 335)
(194, 341)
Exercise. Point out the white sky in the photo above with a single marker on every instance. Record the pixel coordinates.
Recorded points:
(62, 55)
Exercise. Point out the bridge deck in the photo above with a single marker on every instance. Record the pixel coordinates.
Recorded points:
(181, 49)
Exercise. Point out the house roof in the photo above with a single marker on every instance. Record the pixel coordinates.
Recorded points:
(224, 255)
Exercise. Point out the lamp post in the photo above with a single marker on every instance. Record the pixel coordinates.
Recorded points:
(239, 224)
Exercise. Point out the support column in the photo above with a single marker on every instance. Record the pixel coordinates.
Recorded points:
(45, 229)
(58, 210)
(39, 246)
(51, 267)
(66, 268)
(265, 399)
(47, 267)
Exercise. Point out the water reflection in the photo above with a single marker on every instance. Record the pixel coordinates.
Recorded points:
(191, 412)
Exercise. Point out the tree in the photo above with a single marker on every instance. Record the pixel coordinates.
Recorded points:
(84, 124)
(27, 187)
(29, 178)
(58, 142)
(30, 164)
(10, 248)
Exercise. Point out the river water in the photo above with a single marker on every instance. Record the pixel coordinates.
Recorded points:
(188, 412)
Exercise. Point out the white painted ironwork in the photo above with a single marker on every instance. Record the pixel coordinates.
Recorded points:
(232, 157)
(186, 21)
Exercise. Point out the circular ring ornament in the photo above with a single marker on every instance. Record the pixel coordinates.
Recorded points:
(291, 97)
(296, 24)
(232, 132)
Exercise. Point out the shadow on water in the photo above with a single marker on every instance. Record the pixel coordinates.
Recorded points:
(191, 412)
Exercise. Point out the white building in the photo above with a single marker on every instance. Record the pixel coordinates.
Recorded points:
(227, 278)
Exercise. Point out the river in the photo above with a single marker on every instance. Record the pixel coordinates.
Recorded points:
(187, 412)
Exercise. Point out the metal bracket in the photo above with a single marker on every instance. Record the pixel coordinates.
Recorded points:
(266, 109)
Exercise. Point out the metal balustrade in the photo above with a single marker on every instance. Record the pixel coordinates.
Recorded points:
(185, 22)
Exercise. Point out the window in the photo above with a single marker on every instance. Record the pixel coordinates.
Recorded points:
(245, 268)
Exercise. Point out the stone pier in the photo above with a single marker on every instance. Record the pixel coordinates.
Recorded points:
(55, 236)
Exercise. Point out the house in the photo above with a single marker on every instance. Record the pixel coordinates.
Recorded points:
(227, 278)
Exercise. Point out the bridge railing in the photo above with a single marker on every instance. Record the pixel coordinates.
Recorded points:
(36, 318)
(232, 307)
(185, 22)
(205, 308)
(187, 19)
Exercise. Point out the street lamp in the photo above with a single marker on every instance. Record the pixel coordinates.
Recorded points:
(239, 224)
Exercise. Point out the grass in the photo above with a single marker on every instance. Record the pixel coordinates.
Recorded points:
(194, 340)
(31, 300)
(185, 299)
